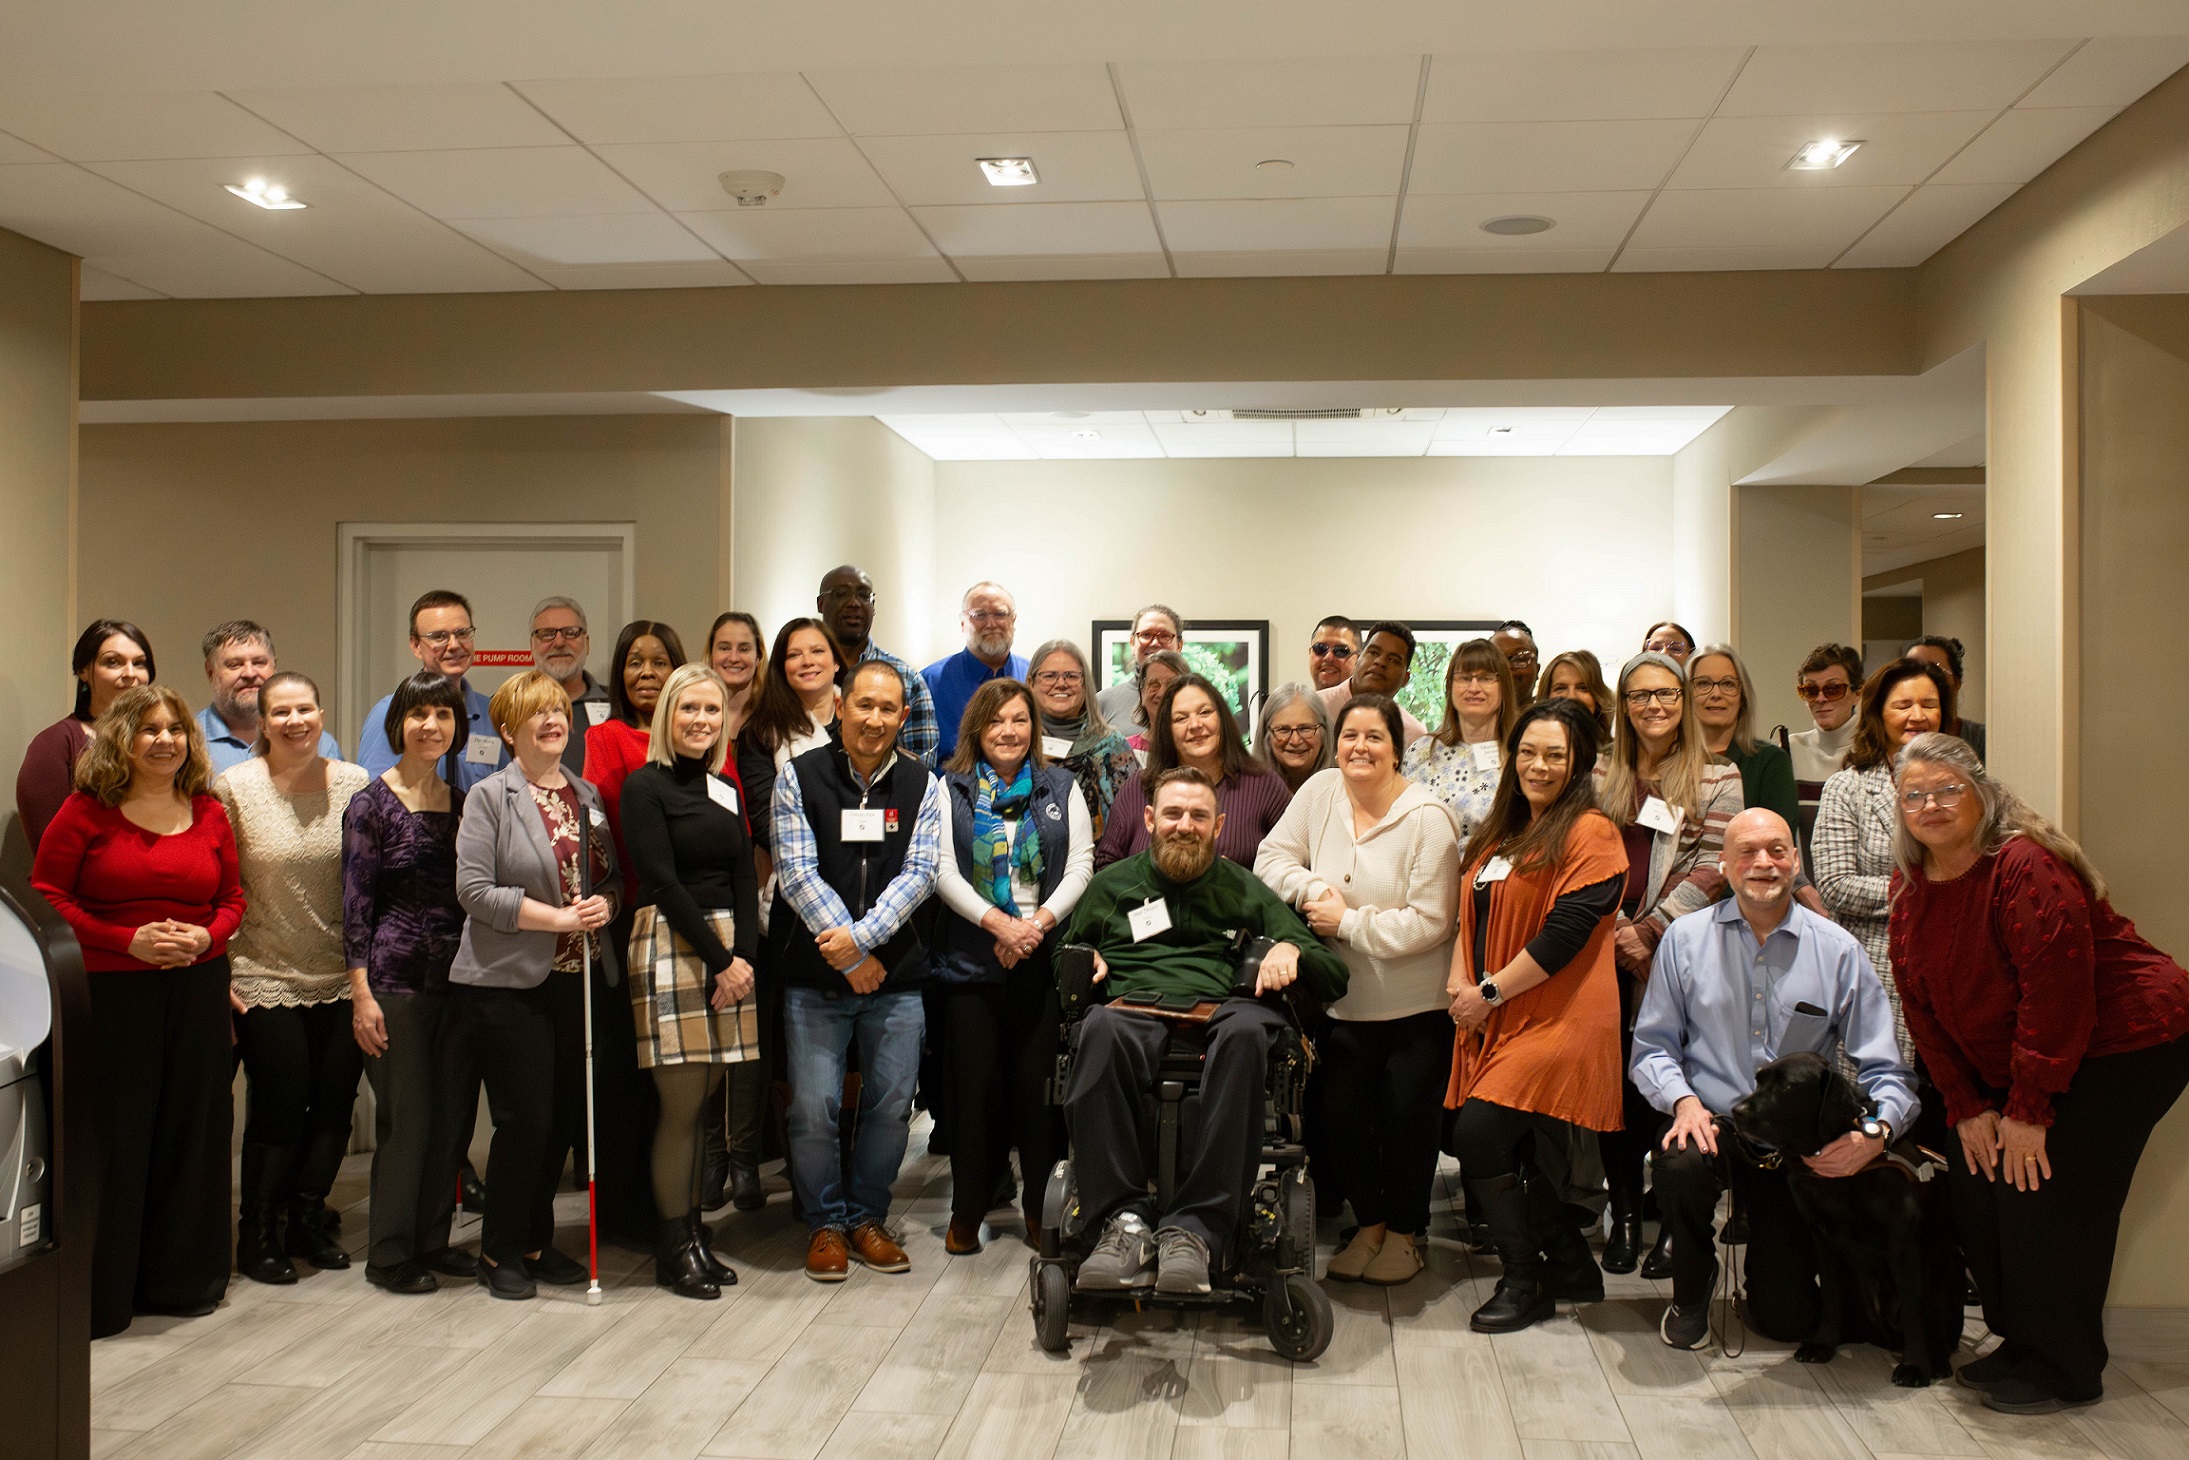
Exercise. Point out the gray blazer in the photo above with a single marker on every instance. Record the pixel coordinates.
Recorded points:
(503, 856)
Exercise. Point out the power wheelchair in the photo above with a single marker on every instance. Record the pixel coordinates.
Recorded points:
(1270, 1259)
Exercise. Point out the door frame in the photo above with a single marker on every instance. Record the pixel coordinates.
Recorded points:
(356, 539)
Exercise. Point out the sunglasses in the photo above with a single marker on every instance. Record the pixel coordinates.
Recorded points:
(1825, 692)
(1330, 651)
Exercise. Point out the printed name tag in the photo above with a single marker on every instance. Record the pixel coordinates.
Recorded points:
(1056, 747)
(1485, 754)
(1149, 919)
(600, 818)
(1657, 816)
(482, 750)
(595, 711)
(862, 826)
(722, 793)
(1497, 869)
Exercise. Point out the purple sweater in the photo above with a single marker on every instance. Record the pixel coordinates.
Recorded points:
(1250, 803)
(400, 917)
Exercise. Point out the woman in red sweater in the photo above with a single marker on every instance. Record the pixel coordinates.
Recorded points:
(2058, 1038)
(142, 863)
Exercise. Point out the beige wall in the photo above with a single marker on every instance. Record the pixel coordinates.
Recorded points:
(1953, 607)
(184, 526)
(37, 495)
(1293, 539)
(1798, 560)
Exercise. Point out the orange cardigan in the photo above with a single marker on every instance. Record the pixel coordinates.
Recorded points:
(1553, 1050)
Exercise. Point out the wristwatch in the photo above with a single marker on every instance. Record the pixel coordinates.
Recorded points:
(1488, 989)
(1877, 1130)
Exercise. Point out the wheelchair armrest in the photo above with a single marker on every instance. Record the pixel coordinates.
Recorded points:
(1249, 967)
(1294, 1001)
(1077, 991)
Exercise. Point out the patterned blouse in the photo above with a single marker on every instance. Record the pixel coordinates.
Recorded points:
(1453, 775)
(400, 917)
(565, 821)
(289, 852)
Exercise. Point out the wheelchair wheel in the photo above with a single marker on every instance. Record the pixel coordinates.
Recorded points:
(1052, 1307)
(1296, 1313)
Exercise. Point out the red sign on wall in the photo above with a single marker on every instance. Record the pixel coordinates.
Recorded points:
(502, 658)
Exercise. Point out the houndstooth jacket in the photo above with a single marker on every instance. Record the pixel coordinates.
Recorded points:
(1852, 852)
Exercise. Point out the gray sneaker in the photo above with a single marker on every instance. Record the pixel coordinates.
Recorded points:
(1685, 1328)
(1124, 1258)
(1185, 1262)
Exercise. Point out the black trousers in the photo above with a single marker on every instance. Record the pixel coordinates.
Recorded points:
(1784, 1298)
(420, 1124)
(164, 1121)
(999, 1050)
(1384, 1104)
(508, 1039)
(1220, 1144)
(304, 1065)
(2043, 1259)
(1625, 1150)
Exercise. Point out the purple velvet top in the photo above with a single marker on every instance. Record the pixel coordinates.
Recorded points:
(400, 917)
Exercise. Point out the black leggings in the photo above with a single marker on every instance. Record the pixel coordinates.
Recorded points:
(999, 1050)
(1491, 1140)
(1625, 1150)
(304, 1065)
(1384, 1104)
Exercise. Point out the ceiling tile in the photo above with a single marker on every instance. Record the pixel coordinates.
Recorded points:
(1583, 221)
(850, 271)
(1022, 229)
(1073, 167)
(908, 100)
(1488, 261)
(2023, 143)
(352, 231)
(1897, 76)
(141, 124)
(1738, 218)
(1323, 91)
(1930, 218)
(501, 182)
(1327, 162)
(1545, 157)
(405, 118)
(1300, 224)
(683, 108)
(1897, 147)
(1578, 86)
(1719, 260)
(14, 149)
(1189, 447)
(684, 177)
(2111, 71)
(1009, 269)
(1277, 263)
(97, 284)
(812, 234)
(699, 275)
(602, 238)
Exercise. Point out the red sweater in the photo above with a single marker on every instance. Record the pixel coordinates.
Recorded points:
(612, 751)
(2012, 972)
(108, 877)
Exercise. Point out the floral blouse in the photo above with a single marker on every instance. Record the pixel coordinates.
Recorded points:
(1453, 775)
(564, 819)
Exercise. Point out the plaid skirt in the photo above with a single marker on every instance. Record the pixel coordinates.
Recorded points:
(670, 987)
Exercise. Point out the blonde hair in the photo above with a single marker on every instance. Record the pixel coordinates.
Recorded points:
(523, 696)
(1679, 775)
(104, 770)
(2005, 814)
(659, 750)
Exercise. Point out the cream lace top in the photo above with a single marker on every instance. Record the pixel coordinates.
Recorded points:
(289, 949)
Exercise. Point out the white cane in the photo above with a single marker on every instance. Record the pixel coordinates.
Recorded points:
(592, 1159)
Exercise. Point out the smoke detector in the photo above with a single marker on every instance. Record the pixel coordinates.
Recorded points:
(752, 187)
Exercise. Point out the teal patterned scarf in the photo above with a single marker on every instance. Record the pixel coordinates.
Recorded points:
(993, 853)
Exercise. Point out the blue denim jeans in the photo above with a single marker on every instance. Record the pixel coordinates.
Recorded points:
(817, 1032)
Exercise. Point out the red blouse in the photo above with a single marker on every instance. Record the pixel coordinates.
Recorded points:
(2011, 973)
(108, 877)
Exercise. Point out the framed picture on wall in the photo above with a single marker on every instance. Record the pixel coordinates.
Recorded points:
(1232, 654)
(1422, 696)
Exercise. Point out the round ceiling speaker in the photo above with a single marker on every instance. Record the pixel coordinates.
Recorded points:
(1518, 223)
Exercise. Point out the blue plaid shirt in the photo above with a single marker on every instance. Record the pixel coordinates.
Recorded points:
(798, 872)
(919, 737)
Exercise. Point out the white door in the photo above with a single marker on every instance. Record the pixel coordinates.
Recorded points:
(503, 568)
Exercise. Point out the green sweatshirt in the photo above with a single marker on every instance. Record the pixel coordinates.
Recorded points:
(1195, 955)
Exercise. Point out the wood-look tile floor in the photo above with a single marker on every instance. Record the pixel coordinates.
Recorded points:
(941, 1362)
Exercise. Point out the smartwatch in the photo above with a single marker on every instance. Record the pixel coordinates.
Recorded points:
(1488, 989)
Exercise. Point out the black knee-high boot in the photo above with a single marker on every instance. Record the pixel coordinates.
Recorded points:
(311, 1230)
(1569, 1268)
(268, 1173)
(1519, 1300)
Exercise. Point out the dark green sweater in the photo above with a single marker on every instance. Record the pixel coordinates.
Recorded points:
(1767, 779)
(1195, 956)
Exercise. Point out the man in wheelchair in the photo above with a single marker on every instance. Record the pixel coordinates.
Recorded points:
(1167, 927)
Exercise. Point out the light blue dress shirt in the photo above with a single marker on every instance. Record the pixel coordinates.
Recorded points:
(1719, 1006)
(375, 756)
(224, 748)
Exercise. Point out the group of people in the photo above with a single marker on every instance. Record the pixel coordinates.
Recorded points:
(1555, 935)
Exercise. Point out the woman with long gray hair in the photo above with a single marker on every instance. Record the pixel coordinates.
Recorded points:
(1292, 734)
(2057, 1037)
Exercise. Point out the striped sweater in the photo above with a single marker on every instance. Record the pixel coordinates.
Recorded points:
(1683, 866)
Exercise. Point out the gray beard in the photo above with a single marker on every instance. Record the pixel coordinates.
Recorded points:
(995, 647)
(1183, 858)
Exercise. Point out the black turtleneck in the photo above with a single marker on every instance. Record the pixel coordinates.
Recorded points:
(691, 854)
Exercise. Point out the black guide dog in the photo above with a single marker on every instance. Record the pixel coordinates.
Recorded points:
(1883, 1236)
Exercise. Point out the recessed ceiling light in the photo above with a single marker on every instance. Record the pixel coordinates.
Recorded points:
(1945, 516)
(1274, 164)
(1519, 223)
(262, 194)
(1087, 435)
(1009, 172)
(1823, 155)
(1069, 415)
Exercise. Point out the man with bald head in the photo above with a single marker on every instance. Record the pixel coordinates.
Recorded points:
(1734, 986)
(846, 604)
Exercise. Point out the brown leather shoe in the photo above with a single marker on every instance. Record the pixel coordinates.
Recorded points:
(963, 1238)
(828, 1260)
(877, 1249)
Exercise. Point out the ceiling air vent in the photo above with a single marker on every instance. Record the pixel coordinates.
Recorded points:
(1335, 413)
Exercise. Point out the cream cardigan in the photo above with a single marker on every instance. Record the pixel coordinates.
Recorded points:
(1400, 882)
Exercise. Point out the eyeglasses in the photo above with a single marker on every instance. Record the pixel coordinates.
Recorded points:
(442, 638)
(1481, 681)
(548, 636)
(1331, 651)
(856, 595)
(1945, 798)
(1669, 695)
(1161, 638)
(1825, 692)
(1060, 679)
(1295, 734)
(990, 615)
(1666, 646)
(1714, 686)
(1520, 656)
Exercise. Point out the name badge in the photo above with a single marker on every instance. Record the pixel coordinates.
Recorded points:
(1485, 754)
(862, 826)
(722, 793)
(1148, 919)
(1657, 816)
(600, 818)
(595, 711)
(482, 750)
(1497, 869)
(1056, 747)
